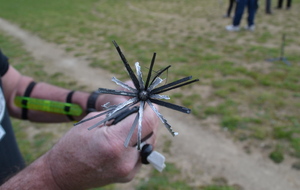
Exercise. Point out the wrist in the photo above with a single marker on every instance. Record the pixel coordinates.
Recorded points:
(80, 99)
(67, 108)
(49, 177)
(37, 175)
(92, 102)
(60, 171)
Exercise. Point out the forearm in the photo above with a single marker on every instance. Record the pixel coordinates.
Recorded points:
(36, 176)
(15, 84)
(47, 92)
(50, 92)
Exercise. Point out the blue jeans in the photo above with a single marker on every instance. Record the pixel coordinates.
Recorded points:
(241, 4)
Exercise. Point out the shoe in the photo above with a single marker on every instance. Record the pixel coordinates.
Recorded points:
(232, 28)
(226, 16)
(250, 28)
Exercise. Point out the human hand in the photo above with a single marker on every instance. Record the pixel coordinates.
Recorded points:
(84, 159)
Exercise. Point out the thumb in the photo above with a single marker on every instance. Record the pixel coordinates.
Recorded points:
(129, 125)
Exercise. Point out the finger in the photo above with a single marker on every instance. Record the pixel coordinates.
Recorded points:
(133, 171)
(91, 118)
(145, 138)
(149, 125)
(152, 140)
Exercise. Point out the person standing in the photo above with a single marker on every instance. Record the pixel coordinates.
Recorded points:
(268, 7)
(231, 3)
(288, 4)
(252, 6)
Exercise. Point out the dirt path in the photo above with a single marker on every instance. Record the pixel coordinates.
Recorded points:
(200, 152)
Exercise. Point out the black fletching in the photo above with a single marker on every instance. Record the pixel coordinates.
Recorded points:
(171, 84)
(150, 71)
(171, 106)
(115, 92)
(180, 85)
(127, 66)
(90, 118)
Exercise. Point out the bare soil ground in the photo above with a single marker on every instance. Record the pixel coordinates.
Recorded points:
(200, 151)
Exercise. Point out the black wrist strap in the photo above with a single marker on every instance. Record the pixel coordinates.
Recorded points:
(24, 102)
(91, 102)
(67, 108)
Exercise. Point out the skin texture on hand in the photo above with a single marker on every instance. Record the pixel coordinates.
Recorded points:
(98, 157)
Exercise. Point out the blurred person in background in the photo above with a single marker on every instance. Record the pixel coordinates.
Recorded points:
(252, 6)
(268, 7)
(230, 7)
(288, 4)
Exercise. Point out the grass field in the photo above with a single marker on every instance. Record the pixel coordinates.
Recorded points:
(257, 102)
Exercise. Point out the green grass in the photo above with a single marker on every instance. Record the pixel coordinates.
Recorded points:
(167, 180)
(277, 155)
(164, 181)
(254, 99)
